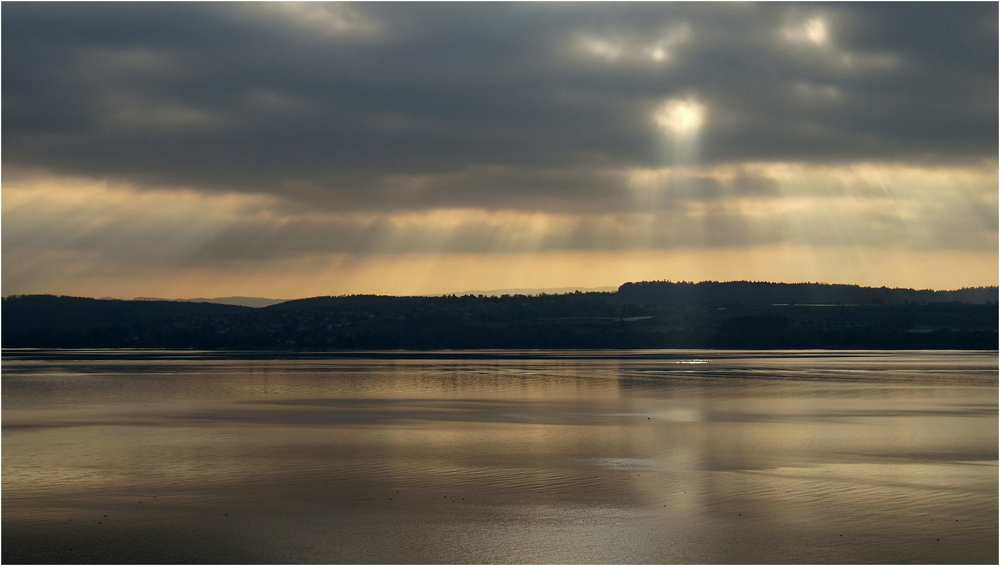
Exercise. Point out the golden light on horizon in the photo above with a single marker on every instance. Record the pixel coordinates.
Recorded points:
(862, 223)
(419, 274)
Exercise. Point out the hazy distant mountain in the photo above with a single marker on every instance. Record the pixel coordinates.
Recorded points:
(547, 291)
(255, 302)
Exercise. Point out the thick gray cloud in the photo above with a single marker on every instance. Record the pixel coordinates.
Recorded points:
(522, 105)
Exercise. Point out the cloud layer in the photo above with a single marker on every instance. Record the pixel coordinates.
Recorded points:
(183, 135)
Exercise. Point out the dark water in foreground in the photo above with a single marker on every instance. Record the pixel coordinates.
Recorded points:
(501, 457)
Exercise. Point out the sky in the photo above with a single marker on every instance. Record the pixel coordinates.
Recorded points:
(290, 150)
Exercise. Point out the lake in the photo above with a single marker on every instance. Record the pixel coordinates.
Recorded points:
(657, 456)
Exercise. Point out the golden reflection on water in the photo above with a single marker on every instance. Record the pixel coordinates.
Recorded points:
(741, 458)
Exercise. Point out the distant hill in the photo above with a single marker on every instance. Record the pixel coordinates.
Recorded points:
(78, 322)
(732, 315)
(255, 302)
(759, 293)
(528, 291)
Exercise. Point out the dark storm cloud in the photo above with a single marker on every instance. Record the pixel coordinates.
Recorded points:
(522, 105)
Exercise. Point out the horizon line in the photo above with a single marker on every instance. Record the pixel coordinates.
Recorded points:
(507, 291)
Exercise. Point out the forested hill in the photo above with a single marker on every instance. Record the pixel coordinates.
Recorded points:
(638, 315)
(747, 293)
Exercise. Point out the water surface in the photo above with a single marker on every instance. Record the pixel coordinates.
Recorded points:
(500, 457)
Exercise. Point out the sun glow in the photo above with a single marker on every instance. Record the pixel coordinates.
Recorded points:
(681, 120)
(632, 47)
(815, 31)
(680, 116)
(812, 31)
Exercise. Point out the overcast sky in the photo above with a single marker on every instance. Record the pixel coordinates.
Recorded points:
(298, 149)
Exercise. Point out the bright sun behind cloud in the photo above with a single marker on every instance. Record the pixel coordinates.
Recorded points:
(681, 116)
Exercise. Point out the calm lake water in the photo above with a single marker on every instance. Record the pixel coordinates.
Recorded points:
(500, 457)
